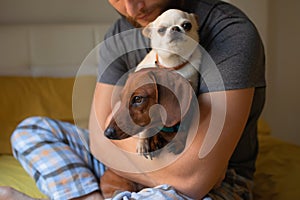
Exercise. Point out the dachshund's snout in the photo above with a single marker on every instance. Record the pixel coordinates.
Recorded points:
(110, 133)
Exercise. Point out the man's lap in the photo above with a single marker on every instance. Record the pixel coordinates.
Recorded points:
(56, 154)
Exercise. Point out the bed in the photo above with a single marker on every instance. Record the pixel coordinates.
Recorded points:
(43, 71)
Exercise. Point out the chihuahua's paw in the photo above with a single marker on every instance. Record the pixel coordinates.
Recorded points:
(143, 148)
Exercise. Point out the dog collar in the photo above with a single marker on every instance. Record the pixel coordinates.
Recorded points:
(172, 68)
(170, 129)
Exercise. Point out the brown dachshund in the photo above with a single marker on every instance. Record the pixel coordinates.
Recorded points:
(152, 103)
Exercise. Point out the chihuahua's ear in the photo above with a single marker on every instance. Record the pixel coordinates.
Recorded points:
(196, 17)
(147, 30)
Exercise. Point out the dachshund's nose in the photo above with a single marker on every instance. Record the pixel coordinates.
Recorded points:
(110, 133)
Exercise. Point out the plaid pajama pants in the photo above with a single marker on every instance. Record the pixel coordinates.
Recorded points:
(56, 154)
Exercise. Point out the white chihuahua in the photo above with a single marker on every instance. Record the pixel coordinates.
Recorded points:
(175, 44)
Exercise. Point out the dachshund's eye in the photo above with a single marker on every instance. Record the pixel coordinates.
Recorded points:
(137, 100)
(162, 30)
(187, 26)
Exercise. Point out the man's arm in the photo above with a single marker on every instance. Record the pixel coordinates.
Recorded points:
(101, 106)
(199, 175)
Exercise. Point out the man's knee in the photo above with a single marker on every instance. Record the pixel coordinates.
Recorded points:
(26, 131)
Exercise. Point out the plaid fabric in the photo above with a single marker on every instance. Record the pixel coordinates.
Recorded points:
(161, 192)
(234, 187)
(56, 154)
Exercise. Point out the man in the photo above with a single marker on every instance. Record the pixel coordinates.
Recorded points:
(235, 46)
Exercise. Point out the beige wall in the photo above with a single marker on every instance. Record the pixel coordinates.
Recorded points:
(283, 110)
(55, 11)
(278, 22)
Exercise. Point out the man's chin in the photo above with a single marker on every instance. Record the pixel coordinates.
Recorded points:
(134, 22)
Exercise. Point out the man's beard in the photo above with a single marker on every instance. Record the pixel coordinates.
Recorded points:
(172, 4)
(132, 21)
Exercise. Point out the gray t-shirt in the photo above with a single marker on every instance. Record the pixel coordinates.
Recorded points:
(232, 42)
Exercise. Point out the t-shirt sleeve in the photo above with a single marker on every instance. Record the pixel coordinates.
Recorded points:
(234, 54)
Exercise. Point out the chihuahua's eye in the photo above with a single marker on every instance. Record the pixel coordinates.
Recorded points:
(137, 100)
(187, 26)
(162, 30)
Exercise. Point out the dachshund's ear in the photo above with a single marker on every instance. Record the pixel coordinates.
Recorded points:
(174, 94)
(143, 77)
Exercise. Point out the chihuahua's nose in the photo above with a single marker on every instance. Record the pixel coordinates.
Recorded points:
(110, 133)
(175, 29)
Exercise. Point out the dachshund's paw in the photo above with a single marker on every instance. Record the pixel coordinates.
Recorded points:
(143, 148)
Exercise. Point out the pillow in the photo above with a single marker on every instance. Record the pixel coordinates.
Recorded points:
(263, 127)
(277, 169)
(22, 97)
